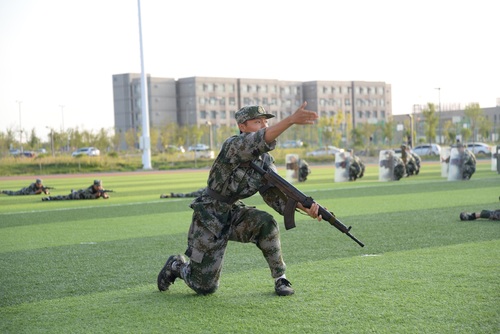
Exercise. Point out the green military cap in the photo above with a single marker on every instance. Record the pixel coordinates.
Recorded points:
(251, 112)
(97, 183)
(38, 181)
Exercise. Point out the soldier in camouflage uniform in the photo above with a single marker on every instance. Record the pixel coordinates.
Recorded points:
(486, 214)
(219, 216)
(35, 188)
(93, 192)
(191, 194)
(465, 161)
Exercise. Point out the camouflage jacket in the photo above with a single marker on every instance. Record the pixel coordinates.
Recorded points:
(88, 193)
(231, 177)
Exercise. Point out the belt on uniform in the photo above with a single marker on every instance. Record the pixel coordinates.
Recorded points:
(221, 198)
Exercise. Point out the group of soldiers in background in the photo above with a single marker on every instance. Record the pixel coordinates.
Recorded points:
(462, 162)
(395, 167)
(94, 191)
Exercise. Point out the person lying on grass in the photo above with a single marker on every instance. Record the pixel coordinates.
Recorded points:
(95, 191)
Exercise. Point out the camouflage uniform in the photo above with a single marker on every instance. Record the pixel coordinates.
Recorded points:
(356, 168)
(36, 188)
(88, 193)
(304, 170)
(395, 166)
(220, 216)
(413, 164)
(191, 194)
(491, 215)
(485, 214)
(399, 168)
(468, 164)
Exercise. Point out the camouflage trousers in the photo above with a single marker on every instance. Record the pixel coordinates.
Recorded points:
(467, 171)
(73, 196)
(24, 191)
(206, 250)
(491, 215)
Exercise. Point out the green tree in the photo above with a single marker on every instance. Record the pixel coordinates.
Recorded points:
(33, 140)
(474, 116)
(130, 139)
(431, 122)
(388, 132)
(449, 132)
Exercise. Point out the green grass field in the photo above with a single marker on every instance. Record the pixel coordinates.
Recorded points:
(91, 266)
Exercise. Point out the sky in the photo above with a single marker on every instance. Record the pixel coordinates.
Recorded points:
(57, 57)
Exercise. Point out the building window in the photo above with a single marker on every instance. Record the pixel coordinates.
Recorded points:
(347, 102)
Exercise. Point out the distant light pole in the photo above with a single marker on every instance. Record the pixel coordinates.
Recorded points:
(62, 128)
(410, 138)
(211, 137)
(439, 110)
(51, 140)
(62, 115)
(20, 127)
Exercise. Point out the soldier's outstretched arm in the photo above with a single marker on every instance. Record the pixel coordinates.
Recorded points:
(301, 116)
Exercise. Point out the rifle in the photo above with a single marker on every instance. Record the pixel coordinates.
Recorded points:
(295, 196)
(47, 188)
(106, 191)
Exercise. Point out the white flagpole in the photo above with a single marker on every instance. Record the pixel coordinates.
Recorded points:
(145, 139)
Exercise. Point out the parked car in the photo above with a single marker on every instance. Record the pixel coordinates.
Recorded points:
(292, 144)
(29, 154)
(198, 147)
(427, 149)
(328, 150)
(90, 151)
(479, 148)
(15, 152)
(204, 154)
(174, 149)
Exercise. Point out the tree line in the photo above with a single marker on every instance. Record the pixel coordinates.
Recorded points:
(337, 131)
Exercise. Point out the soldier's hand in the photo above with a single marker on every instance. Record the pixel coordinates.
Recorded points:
(312, 211)
(47, 192)
(105, 196)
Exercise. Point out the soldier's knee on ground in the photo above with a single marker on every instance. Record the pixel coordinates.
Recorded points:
(206, 290)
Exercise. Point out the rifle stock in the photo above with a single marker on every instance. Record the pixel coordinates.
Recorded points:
(296, 196)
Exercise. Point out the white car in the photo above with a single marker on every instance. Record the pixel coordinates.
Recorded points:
(198, 147)
(427, 149)
(479, 148)
(90, 151)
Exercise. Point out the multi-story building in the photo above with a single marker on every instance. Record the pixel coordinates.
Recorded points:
(211, 100)
(196, 100)
(128, 101)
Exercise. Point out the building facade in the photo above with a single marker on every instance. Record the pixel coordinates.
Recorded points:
(214, 101)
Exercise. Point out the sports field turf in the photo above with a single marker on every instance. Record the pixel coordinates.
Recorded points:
(91, 266)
